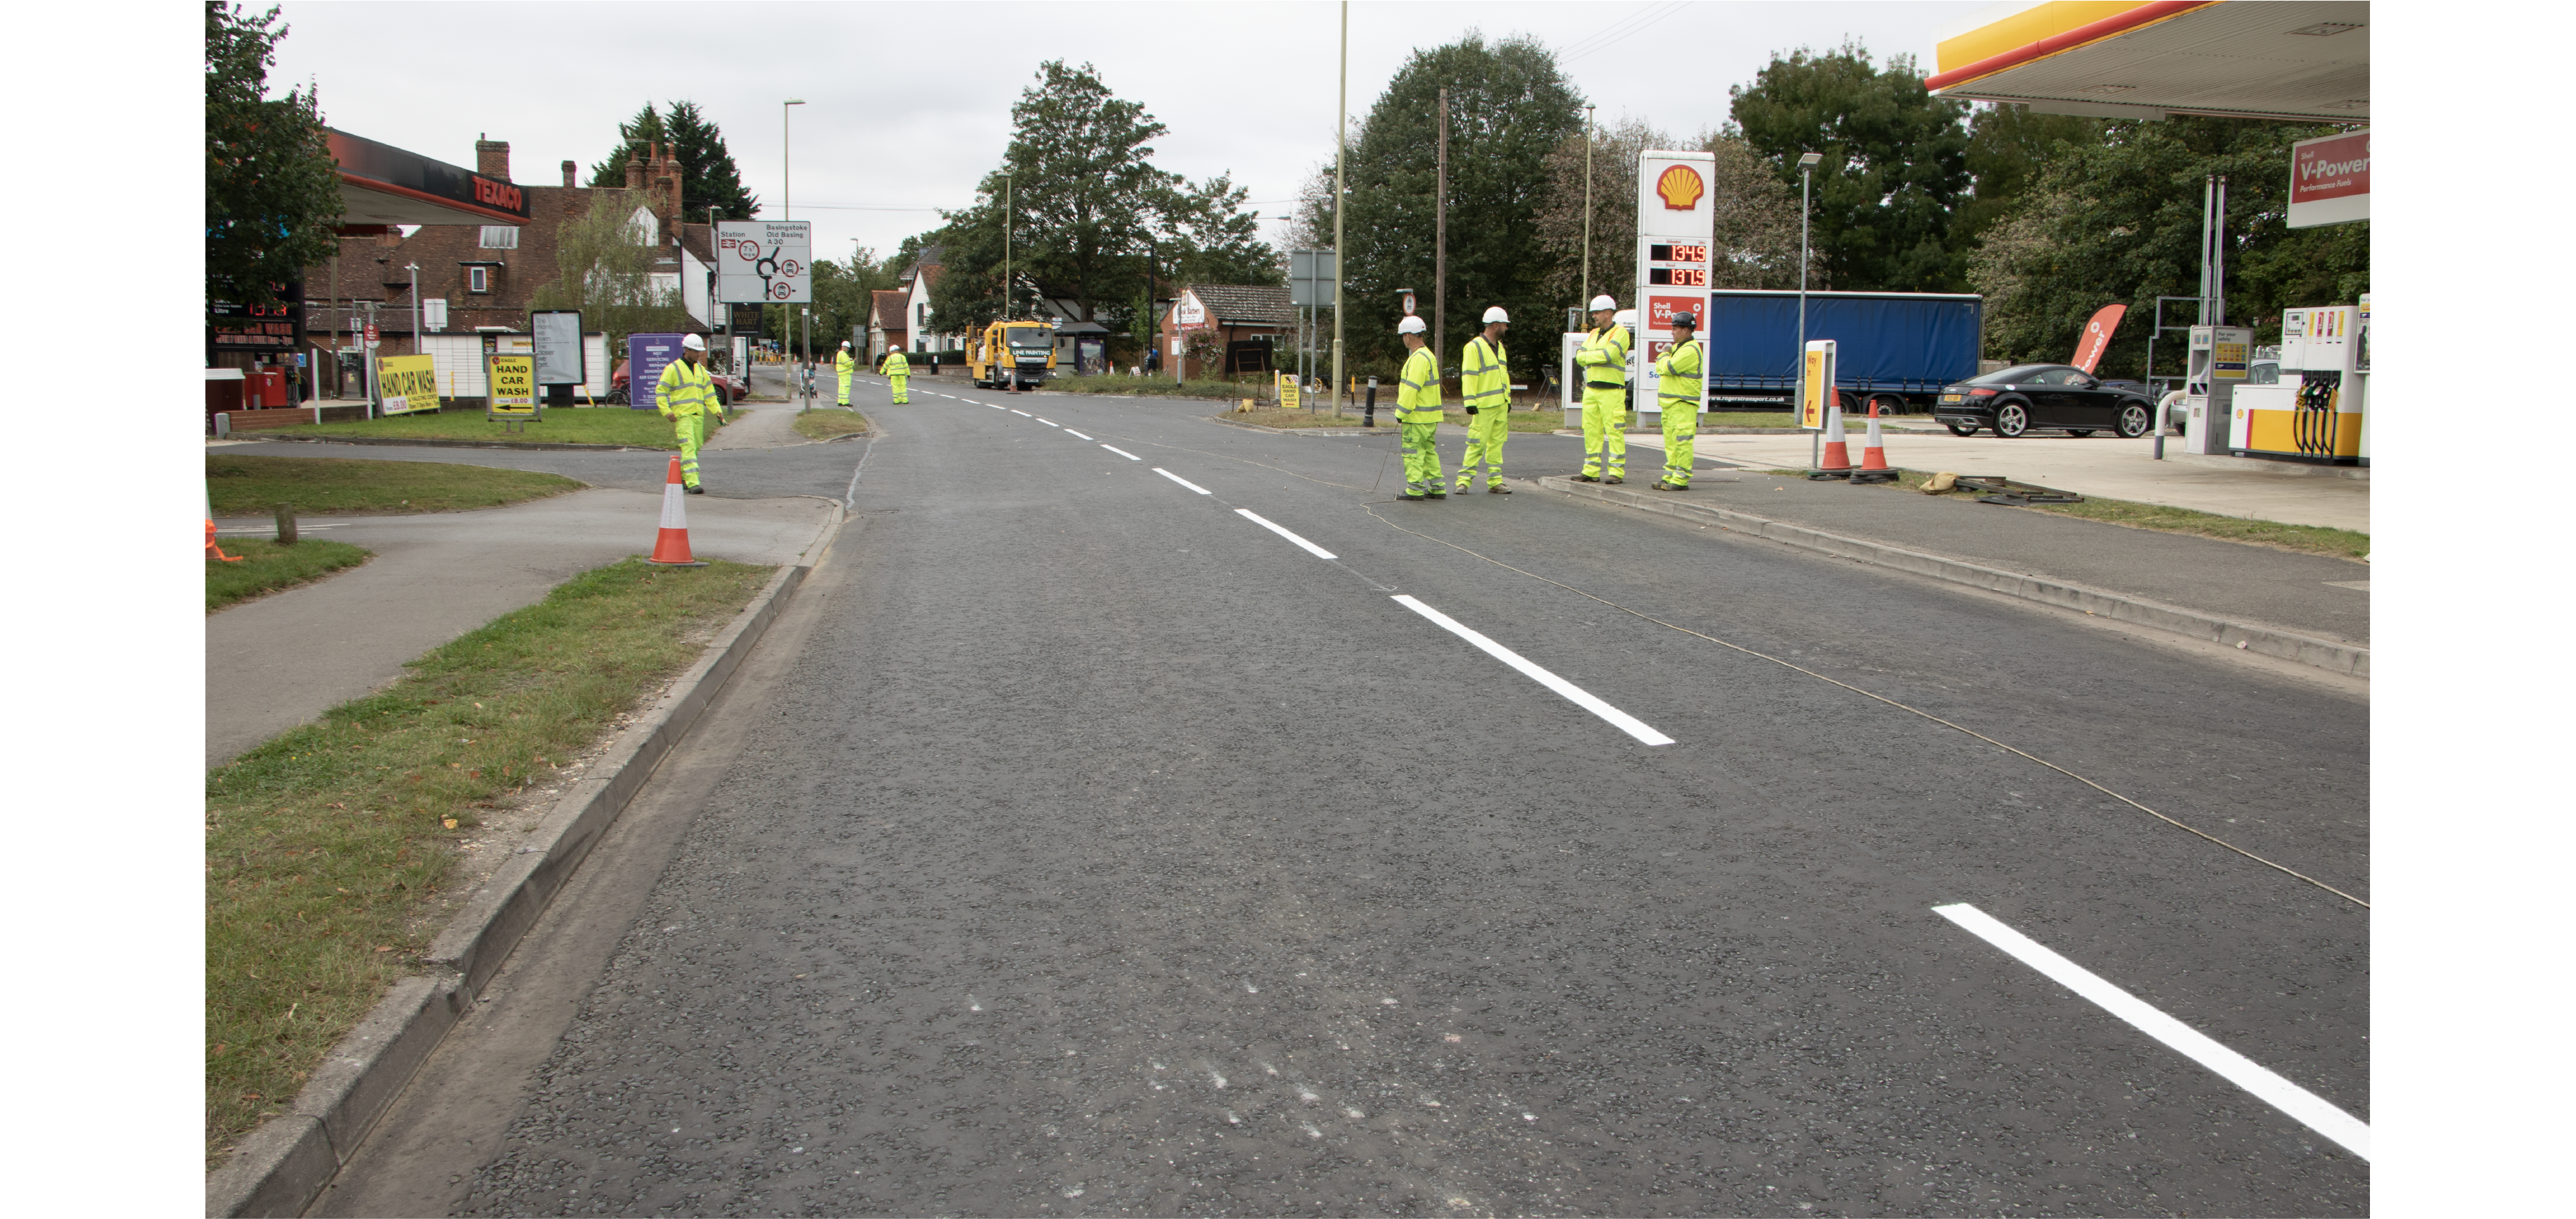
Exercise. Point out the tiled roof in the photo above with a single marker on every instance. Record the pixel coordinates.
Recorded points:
(1238, 303)
(886, 309)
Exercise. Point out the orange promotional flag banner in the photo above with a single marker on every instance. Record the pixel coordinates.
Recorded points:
(2097, 336)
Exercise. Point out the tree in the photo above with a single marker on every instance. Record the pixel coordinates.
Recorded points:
(1614, 151)
(2006, 145)
(708, 175)
(1088, 214)
(272, 186)
(2118, 221)
(1755, 230)
(604, 268)
(1508, 106)
(1895, 163)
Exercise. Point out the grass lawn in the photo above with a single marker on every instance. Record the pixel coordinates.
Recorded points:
(323, 845)
(1778, 419)
(244, 485)
(1156, 387)
(644, 429)
(825, 423)
(267, 566)
(2306, 539)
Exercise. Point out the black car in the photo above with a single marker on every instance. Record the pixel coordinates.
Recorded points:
(2059, 397)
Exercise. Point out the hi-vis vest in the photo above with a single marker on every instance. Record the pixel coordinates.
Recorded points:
(895, 365)
(1681, 376)
(685, 389)
(1417, 396)
(1482, 379)
(1604, 356)
(842, 364)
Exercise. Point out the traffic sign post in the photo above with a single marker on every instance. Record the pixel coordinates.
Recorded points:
(765, 262)
(1676, 224)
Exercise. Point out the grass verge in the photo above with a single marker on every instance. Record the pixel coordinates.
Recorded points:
(2305, 539)
(327, 845)
(245, 485)
(1157, 387)
(267, 567)
(639, 429)
(829, 423)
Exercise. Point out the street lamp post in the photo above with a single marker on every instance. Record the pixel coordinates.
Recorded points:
(1341, 126)
(786, 195)
(416, 345)
(1582, 290)
(1006, 247)
(1806, 181)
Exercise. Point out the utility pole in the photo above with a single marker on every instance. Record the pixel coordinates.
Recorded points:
(1006, 247)
(1440, 243)
(1583, 291)
(1341, 196)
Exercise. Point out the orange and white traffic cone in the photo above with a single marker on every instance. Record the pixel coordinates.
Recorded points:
(1837, 449)
(1873, 455)
(217, 552)
(671, 549)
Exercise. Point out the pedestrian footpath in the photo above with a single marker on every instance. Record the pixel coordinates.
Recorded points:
(281, 660)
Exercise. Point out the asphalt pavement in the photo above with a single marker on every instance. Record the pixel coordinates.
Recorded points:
(1083, 841)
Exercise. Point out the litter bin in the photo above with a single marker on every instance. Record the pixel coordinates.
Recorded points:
(266, 389)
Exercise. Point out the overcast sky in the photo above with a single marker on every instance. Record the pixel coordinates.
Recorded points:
(909, 105)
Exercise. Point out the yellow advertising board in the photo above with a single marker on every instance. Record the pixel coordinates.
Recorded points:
(1288, 391)
(510, 386)
(408, 384)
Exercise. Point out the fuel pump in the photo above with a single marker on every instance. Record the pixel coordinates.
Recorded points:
(2220, 356)
(2319, 419)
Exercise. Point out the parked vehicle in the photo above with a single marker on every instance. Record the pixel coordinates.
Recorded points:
(729, 388)
(1011, 355)
(1896, 349)
(2057, 397)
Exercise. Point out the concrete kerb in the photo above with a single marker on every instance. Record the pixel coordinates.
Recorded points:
(284, 1164)
(2255, 637)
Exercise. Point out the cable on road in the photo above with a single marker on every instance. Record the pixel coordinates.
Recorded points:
(1889, 701)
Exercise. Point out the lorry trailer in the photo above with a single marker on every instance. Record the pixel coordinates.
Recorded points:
(1893, 348)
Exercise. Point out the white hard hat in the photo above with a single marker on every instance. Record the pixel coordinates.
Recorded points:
(1603, 302)
(1410, 325)
(1496, 314)
(1624, 317)
(845, 343)
(693, 343)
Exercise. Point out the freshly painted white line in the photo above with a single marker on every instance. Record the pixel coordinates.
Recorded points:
(1043, 419)
(2312, 1111)
(1311, 548)
(1071, 432)
(1575, 694)
(1174, 477)
(1122, 453)
(1023, 414)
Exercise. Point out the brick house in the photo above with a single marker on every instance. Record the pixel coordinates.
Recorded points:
(484, 278)
(1240, 316)
(888, 323)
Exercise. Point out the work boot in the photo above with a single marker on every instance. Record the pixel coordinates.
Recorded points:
(1498, 489)
(1614, 479)
(1410, 497)
(1438, 494)
(695, 489)
(1585, 478)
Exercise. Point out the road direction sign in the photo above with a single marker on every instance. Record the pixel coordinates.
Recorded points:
(765, 261)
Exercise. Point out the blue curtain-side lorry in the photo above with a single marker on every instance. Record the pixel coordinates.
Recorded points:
(1898, 348)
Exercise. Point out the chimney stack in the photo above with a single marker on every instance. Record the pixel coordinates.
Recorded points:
(492, 159)
(634, 173)
(569, 172)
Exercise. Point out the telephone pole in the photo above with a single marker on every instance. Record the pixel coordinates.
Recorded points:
(1341, 117)
(1440, 243)
(1583, 291)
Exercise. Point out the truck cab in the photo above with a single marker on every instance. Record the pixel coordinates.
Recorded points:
(1012, 355)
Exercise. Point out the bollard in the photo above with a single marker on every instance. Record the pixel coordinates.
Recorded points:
(286, 524)
(1368, 414)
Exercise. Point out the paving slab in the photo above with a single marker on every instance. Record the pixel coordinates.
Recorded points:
(279, 661)
(2100, 465)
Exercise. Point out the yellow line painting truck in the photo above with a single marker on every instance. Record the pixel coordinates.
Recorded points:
(1011, 355)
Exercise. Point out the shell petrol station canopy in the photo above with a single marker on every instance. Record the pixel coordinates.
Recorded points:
(384, 185)
(2294, 60)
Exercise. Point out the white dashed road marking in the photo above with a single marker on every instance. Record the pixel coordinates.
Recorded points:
(1071, 432)
(1174, 477)
(2313, 1111)
(1311, 548)
(1575, 694)
(1122, 453)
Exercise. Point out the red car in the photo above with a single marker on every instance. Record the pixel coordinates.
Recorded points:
(729, 388)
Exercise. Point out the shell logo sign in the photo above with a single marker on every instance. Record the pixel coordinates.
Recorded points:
(1680, 188)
